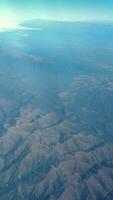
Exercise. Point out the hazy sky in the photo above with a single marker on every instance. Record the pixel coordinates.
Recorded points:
(56, 9)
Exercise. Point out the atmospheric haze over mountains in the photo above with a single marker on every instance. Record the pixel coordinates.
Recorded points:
(56, 111)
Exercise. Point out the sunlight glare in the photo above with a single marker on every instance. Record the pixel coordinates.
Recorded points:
(8, 25)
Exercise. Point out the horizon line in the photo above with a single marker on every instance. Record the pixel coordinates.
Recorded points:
(58, 20)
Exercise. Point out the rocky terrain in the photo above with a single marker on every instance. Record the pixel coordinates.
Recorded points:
(56, 115)
(61, 155)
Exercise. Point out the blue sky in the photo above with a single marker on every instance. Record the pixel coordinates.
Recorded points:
(56, 9)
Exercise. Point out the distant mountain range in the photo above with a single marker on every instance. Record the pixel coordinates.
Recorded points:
(56, 112)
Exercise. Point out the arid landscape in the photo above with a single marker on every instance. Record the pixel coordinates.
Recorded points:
(56, 112)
